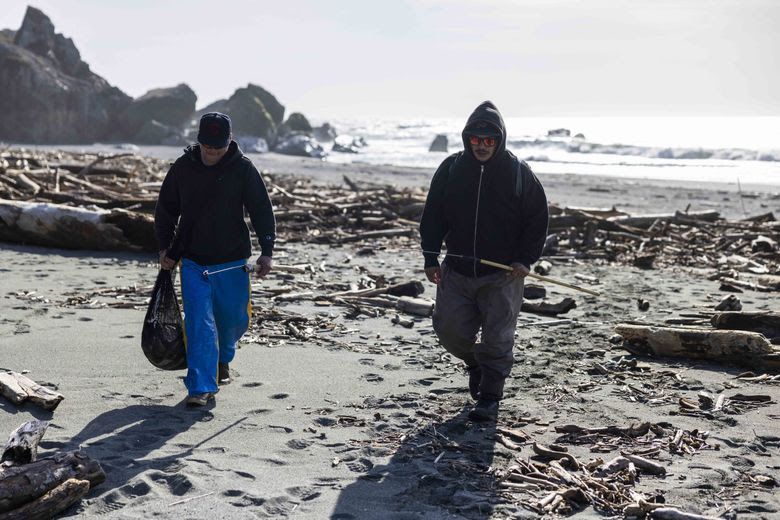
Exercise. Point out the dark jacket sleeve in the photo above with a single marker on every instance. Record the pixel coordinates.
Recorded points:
(433, 225)
(535, 218)
(261, 211)
(167, 210)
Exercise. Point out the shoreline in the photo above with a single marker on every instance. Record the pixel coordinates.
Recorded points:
(414, 175)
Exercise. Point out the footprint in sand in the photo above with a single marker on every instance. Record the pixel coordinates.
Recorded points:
(280, 396)
(260, 411)
(372, 378)
(109, 503)
(299, 444)
(428, 381)
(360, 466)
(247, 500)
(138, 489)
(177, 484)
(276, 507)
(304, 493)
(325, 421)
(274, 462)
(252, 385)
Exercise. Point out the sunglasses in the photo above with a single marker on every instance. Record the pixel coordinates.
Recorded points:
(487, 141)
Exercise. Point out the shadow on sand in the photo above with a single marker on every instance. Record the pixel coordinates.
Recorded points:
(438, 471)
(121, 441)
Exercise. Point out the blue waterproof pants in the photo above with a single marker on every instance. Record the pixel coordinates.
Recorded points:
(217, 309)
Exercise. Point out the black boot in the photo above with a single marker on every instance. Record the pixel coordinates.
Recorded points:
(475, 379)
(485, 410)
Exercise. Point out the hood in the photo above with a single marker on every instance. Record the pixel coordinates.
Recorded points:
(485, 120)
(233, 154)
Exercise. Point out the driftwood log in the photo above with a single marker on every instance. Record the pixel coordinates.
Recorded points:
(22, 446)
(22, 484)
(50, 503)
(766, 323)
(55, 225)
(726, 346)
(412, 288)
(18, 388)
(549, 309)
(670, 513)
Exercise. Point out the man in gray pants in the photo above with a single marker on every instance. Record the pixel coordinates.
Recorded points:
(483, 203)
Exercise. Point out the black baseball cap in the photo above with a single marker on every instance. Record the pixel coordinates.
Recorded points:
(214, 130)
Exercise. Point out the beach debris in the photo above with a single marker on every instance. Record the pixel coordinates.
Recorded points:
(44, 487)
(729, 303)
(19, 388)
(671, 513)
(543, 267)
(117, 194)
(549, 309)
(697, 239)
(404, 322)
(642, 304)
(22, 445)
(534, 292)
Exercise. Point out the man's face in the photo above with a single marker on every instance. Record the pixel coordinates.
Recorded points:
(483, 147)
(210, 155)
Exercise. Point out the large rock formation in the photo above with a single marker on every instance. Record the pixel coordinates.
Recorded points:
(271, 104)
(7, 35)
(249, 111)
(172, 107)
(297, 122)
(48, 94)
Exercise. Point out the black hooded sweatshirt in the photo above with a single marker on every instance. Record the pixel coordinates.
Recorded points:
(496, 210)
(210, 201)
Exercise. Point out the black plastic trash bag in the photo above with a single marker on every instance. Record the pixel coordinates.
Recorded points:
(162, 338)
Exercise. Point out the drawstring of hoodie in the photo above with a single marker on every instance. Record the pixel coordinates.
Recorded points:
(246, 267)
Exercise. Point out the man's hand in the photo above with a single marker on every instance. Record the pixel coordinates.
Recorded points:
(433, 274)
(165, 262)
(264, 265)
(518, 271)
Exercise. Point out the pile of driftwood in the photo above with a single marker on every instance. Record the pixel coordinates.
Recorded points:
(747, 247)
(38, 489)
(568, 485)
(93, 201)
(87, 201)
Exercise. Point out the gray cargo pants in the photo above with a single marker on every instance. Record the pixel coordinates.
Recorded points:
(491, 302)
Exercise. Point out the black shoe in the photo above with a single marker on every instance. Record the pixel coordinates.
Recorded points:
(197, 400)
(223, 374)
(485, 410)
(475, 378)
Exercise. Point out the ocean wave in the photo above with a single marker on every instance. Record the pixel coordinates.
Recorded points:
(584, 147)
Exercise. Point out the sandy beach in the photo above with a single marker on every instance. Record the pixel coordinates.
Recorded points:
(358, 417)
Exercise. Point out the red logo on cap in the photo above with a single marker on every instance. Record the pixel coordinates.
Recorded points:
(214, 129)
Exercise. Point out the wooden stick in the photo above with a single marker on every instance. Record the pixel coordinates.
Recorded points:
(542, 278)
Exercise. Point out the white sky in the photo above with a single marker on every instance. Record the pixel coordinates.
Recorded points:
(439, 57)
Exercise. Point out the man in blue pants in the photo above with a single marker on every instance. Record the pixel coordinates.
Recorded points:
(199, 219)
